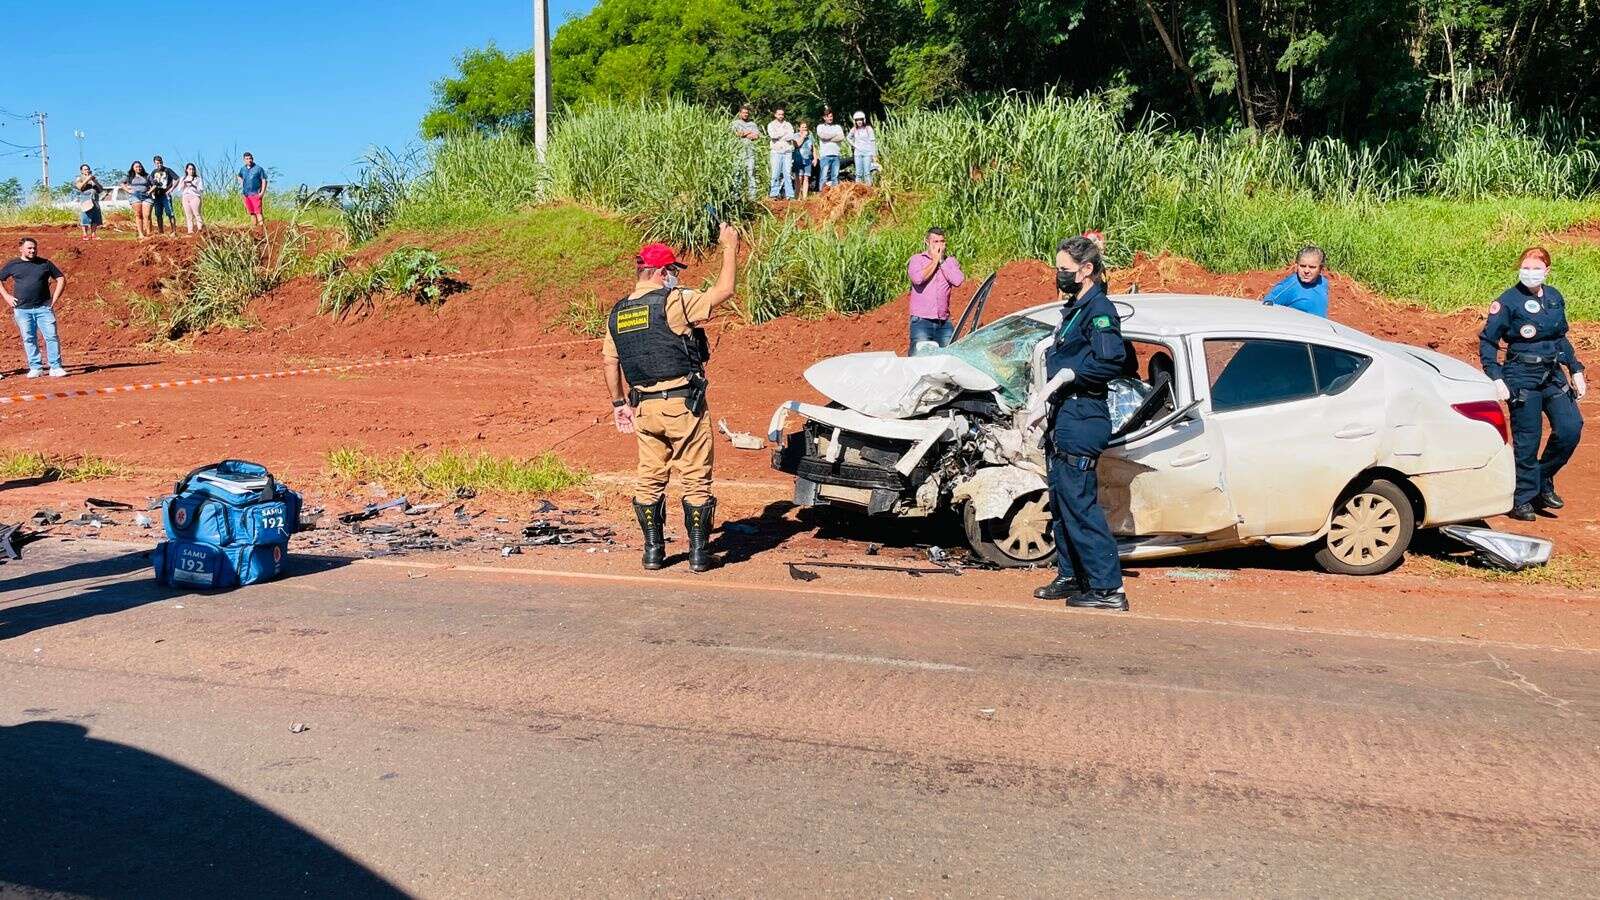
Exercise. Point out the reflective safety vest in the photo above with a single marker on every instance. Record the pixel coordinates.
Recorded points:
(647, 347)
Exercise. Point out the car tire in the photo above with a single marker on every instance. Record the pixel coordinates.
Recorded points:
(1020, 538)
(1369, 531)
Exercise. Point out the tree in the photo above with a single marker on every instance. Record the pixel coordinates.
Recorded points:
(11, 192)
(1355, 68)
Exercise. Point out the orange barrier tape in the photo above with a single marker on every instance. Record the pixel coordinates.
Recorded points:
(260, 376)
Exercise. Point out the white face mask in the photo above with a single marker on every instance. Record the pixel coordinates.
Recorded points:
(670, 280)
(1532, 277)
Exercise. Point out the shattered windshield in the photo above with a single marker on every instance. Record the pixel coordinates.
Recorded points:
(1003, 351)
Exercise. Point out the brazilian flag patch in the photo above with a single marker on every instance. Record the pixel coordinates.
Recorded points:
(1101, 321)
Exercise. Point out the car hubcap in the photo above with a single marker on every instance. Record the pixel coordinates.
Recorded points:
(1028, 535)
(1364, 531)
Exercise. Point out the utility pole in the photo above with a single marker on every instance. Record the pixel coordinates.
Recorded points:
(80, 136)
(541, 75)
(44, 154)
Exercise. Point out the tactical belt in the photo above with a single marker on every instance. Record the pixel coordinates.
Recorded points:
(640, 396)
(1074, 461)
(1534, 359)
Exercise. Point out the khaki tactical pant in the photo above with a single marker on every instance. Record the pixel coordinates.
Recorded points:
(670, 437)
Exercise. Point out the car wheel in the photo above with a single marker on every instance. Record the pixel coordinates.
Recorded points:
(1370, 531)
(1022, 537)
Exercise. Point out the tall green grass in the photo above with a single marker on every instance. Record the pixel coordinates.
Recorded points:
(231, 267)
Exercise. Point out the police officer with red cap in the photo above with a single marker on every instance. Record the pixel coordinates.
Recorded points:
(654, 340)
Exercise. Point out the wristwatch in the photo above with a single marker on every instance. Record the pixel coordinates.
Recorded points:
(617, 404)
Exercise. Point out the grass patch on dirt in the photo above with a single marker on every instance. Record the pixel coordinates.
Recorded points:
(449, 470)
(557, 246)
(584, 315)
(25, 464)
(1575, 570)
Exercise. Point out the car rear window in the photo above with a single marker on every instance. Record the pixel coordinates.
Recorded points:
(1336, 369)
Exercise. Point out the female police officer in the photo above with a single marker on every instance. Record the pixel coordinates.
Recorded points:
(1086, 353)
(1531, 318)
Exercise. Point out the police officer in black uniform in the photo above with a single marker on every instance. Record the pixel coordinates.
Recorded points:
(1086, 354)
(1530, 318)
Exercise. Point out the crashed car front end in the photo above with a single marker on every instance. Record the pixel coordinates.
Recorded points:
(908, 436)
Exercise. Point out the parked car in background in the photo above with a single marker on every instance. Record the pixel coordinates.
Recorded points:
(112, 198)
(1258, 426)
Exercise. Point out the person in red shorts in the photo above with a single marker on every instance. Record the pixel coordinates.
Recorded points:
(253, 185)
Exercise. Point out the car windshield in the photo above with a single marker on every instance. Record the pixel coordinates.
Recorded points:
(1003, 351)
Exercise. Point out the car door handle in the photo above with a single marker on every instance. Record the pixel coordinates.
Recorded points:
(1354, 431)
(1190, 459)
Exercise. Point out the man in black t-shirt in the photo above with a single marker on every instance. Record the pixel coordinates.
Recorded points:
(36, 285)
(162, 182)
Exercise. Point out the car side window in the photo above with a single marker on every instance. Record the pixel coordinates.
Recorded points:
(1255, 372)
(1336, 369)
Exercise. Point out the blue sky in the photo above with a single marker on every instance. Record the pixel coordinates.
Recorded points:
(305, 86)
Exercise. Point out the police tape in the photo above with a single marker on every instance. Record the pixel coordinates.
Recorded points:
(263, 376)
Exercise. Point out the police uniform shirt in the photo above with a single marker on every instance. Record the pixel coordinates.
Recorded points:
(685, 308)
(1527, 324)
(1089, 342)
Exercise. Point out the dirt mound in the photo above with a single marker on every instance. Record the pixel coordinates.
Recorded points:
(1581, 233)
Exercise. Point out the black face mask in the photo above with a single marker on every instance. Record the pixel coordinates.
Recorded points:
(1067, 283)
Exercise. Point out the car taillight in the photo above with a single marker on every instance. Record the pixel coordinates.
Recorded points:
(1489, 411)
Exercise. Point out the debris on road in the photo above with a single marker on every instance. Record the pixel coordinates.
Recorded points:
(1501, 549)
(801, 575)
(913, 571)
(741, 440)
(46, 517)
(299, 728)
(142, 520)
(1198, 575)
(106, 504)
(373, 510)
(423, 509)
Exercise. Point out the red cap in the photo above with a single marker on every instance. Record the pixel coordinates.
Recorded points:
(658, 256)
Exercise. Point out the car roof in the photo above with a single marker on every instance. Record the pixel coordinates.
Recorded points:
(1178, 314)
(1198, 313)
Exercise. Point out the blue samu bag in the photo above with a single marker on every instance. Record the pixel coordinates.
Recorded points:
(228, 524)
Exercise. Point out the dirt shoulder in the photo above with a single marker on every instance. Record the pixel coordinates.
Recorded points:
(545, 392)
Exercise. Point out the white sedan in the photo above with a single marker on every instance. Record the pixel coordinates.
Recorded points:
(1238, 424)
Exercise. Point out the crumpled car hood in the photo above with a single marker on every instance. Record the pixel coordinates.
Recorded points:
(896, 387)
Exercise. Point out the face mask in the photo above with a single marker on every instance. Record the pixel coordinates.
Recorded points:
(670, 281)
(1532, 278)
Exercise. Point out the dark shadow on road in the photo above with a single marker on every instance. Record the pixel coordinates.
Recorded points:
(91, 368)
(90, 817)
(35, 600)
(35, 481)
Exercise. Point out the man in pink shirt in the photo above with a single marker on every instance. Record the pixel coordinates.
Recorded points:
(933, 274)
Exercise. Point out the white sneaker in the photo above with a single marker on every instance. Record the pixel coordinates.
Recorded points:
(58, 372)
(35, 373)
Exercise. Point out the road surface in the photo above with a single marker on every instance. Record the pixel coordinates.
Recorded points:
(469, 733)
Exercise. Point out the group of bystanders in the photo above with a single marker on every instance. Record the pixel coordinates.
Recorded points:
(795, 153)
(150, 194)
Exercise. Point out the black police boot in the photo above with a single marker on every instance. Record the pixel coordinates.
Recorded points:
(1095, 598)
(652, 518)
(1523, 512)
(1059, 589)
(1549, 499)
(697, 521)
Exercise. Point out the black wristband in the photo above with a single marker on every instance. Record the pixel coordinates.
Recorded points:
(617, 404)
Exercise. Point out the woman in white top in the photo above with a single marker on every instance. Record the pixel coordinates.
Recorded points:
(191, 187)
(865, 143)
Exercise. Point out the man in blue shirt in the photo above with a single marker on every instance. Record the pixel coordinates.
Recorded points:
(1306, 288)
(253, 185)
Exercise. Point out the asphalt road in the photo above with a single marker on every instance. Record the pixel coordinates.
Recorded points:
(475, 734)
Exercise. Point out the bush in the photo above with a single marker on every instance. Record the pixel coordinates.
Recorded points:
(449, 470)
(407, 271)
(229, 269)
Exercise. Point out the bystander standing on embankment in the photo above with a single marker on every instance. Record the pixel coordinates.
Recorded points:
(36, 286)
(252, 181)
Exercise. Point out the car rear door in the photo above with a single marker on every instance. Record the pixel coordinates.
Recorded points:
(1168, 477)
(1298, 422)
